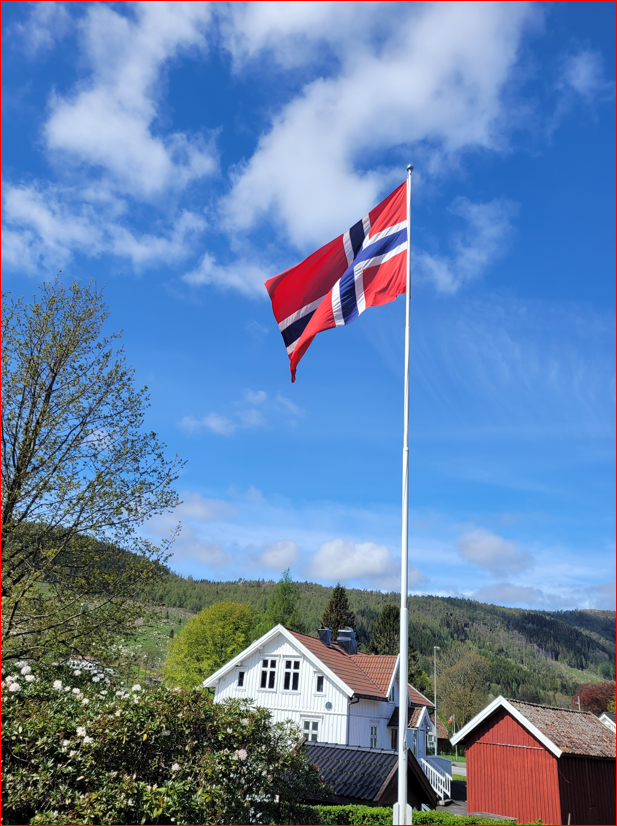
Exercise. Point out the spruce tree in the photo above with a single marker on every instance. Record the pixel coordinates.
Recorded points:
(283, 606)
(386, 640)
(338, 614)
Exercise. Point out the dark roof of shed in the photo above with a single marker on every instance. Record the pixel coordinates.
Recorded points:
(352, 771)
(574, 732)
(343, 666)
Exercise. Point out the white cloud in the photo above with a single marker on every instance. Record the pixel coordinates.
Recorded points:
(475, 249)
(255, 410)
(487, 550)
(503, 593)
(255, 396)
(339, 560)
(45, 226)
(47, 23)
(107, 122)
(195, 506)
(280, 555)
(583, 72)
(213, 421)
(244, 275)
(434, 76)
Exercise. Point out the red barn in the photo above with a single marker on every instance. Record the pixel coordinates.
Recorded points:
(528, 762)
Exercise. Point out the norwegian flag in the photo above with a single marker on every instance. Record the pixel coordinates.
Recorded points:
(364, 267)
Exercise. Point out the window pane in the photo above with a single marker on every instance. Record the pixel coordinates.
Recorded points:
(319, 684)
(241, 678)
(264, 678)
(286, 682)
(296, 677)
(314, 726)
(272, 663)
(265, 663)
(271, 680)
(307, 725)
(296, 666)
(287, 663)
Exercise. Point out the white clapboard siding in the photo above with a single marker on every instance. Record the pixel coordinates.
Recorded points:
(289, 705)
(365, 713)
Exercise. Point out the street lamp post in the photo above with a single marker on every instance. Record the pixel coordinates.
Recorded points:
(436, 648)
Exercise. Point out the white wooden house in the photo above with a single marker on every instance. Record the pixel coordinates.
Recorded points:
(333, 693)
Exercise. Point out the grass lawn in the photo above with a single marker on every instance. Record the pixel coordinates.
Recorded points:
(459, 777)
(462, 758)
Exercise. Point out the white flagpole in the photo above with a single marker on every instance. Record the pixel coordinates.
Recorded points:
(403, 699)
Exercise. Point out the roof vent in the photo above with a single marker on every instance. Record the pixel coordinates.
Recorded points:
(325, 636)
(347, 640)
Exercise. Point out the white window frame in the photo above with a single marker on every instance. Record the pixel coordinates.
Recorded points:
(323, 684)
(268, 670)
(374, 724)
(312, 721)
(293, 671)
(242, 671)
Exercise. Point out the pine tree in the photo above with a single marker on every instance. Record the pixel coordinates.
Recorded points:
(385, 640)
(283, 606)
(338, 614)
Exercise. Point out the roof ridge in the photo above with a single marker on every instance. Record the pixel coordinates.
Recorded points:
(551, 708)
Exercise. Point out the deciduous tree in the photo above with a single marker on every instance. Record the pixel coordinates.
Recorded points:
(208, 641)
(595, 697)
(462, 688)
(80, 476)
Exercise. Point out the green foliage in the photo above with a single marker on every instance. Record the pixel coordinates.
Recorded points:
(79, 478)
(283, 607)
(338, 614)
(385, 640)
(93, 755)
(462, 688)
(380, 816)
(208, 641)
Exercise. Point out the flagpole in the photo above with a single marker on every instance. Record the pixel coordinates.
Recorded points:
(404, 627)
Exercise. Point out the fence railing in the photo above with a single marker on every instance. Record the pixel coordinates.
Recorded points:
(439, 780)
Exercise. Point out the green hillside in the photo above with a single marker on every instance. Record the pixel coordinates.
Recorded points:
(537, 656)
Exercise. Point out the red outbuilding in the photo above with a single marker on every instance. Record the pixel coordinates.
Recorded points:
(533, 762)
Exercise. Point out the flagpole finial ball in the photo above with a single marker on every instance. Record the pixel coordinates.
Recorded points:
(409, 168)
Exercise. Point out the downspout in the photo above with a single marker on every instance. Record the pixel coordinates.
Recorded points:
(352, 702)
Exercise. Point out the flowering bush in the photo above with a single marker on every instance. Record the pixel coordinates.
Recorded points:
(75, 753)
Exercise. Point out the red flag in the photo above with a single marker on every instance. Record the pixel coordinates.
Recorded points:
(364, 267)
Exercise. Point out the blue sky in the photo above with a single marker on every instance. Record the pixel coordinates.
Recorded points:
(184, 153)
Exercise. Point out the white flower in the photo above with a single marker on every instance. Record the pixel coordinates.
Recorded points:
(21, 664)
(102, 693)
(14, 687)
(72, 753)
(175, 767)
(67, 687)
(119, 693)
(230, 731)
(166, 733)
(76, 691)
(81, 731)
(30, 678)
(57, 684)
(85, 700)
(87, 740)
(177, 688)
(136, 687)
(240, 754)
(26, 670)
(118, 713)
(10, 679)
(77, 672)
(66, 743)
(96, 679)
(245, 722)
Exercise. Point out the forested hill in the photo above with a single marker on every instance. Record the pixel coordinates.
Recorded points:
(539, 656)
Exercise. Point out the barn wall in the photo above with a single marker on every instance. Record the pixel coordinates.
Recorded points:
(511, 773)
(587, 790)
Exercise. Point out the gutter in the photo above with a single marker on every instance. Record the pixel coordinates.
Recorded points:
(355, 699)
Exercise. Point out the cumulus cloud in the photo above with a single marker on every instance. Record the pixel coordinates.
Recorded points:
(244, 275)
(489, 551)
(484, 239)
(280, 555)
(434, 75)
(107, 122)
(212, 421)
(503, 593)
(339, 560)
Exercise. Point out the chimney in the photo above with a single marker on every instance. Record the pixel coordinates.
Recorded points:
(325, 636)
(347, 640)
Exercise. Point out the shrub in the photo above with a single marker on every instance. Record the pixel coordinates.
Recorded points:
(378, 816)
(79, 751)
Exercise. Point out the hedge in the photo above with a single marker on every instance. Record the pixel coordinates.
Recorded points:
(380, 816)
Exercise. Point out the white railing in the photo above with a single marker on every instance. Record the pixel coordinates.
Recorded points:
(439, 780)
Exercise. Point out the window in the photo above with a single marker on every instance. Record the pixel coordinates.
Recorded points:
(292, 675)
(268, 673)
(319, 684)
(311, 730)
(373, 735)
(431, 742)
(394, 739)
(240, 679)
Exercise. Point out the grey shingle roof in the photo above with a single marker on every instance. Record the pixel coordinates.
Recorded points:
(574, 732)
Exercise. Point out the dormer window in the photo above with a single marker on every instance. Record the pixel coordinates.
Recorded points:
(268, 673)
(292, 675)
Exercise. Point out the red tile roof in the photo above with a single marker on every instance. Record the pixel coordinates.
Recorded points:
(574, 732)
(377, 667)
(343, 665)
